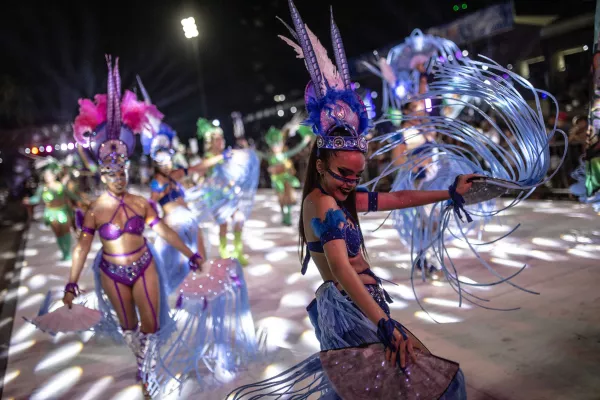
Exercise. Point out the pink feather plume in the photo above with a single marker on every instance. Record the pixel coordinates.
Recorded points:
(133, 112)
(90, 116)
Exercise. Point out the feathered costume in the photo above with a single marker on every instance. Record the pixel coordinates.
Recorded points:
(107, 126)
(406, 74)
(157, 141)
(228, 189)
(349, 365)
(281, 167)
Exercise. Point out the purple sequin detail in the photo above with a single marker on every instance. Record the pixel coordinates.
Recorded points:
(127, 274)
(87, 230)
(179, 302)
(236, 280)
(373, 201)
(110, 231)
(350, 235)
(154, 222)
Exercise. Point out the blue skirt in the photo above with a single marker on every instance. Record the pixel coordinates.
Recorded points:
(341, 326)
(182, 221)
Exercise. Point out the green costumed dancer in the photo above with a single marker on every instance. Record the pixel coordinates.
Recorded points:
(281, 168)
(592, 154)
(55, 196)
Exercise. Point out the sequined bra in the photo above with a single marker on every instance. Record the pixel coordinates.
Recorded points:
(336, 226)
(172, 195)
(133, 225)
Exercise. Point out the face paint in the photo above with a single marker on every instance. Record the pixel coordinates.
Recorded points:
(350, 181)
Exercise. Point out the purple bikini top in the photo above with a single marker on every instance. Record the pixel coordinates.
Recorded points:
(133, 225)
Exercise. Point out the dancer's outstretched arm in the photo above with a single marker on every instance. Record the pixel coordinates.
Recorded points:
(80, 253)
(169, 235)
(411, 198)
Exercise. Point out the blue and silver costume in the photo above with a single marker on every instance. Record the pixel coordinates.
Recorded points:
(348, 339)
(517, 164)
(157, 142)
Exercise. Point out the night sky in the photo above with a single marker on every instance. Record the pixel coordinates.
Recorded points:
(53, 51)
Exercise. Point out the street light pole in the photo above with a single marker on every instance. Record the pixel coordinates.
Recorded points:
(191, 32)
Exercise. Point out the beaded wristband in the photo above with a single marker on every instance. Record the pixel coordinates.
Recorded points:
(192, 263)
(154, 222)
(457, 201)
(72, 288)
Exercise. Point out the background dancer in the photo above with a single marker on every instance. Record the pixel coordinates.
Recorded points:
(55, 195)
(228, 190)
(281, 168)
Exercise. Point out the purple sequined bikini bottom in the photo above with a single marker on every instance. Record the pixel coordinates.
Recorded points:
(127, 274)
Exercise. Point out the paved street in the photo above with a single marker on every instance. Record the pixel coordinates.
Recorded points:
(549, 349)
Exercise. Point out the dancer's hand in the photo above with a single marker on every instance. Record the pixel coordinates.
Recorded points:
(68, 299)
(196, 262)
(464, 183)
(402, 347)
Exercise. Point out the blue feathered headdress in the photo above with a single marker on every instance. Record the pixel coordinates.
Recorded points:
(330, 100)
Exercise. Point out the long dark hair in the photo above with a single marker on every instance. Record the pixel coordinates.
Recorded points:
(311, 182)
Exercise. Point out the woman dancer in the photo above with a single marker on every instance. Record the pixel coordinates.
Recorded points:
(350, 309)
(229, 187)
(127, 273)
(281, 168)
(56, 197)
(167, 191)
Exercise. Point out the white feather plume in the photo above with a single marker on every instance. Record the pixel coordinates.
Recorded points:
(290, 42)
(386, 71)
(327, 67)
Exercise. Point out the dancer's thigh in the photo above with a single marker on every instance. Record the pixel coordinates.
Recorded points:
(121, 300)
(146, 295)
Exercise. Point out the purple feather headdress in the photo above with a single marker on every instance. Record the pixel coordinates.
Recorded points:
(108, 124)
(330, 100)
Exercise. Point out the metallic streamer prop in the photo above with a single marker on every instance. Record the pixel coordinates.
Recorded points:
(520, 163)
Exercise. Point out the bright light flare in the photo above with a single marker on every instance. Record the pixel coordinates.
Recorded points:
(259, 270)
(294, 300)
(59, 356)
(97, 391)
(130, 392)
(24, 332)
(507, 262)
(10, 376)
(433, 317)
(445, 303)
(17, 348)
(59, 384)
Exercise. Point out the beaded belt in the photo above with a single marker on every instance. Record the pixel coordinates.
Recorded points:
(127, 274)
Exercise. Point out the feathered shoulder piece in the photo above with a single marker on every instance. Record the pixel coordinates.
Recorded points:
(330, 100)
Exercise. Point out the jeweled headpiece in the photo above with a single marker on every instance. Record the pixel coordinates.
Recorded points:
(108, 124)
(329, 97)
